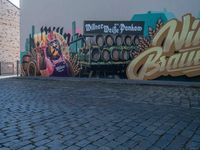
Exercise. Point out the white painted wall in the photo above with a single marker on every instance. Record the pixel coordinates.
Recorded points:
(63, 12)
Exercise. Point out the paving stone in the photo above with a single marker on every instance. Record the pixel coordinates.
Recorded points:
(138, 129)
(63, 114)
(122, 148)
(143, 145)
(70, 142)
(112, 144)
(151, 128)
(94, 137)
(193, 146)
(8, 139)
(72, 148)
(103, 148)
(178, 143)
(38, 138)
(130, 144)
(187, 133)
(138, 138)
(83, 143)
(154, 148)
(130, 134)
(159, 132)
(104, 133)
(196, 138)
(42, 142)
(101, 142)
(28, 147)
(122, 139)
(4, 148)
(69, 137)
(90, 147)
(198, 132)
(41, 148)
(20, 144)
(56, 144)
(145, 132)
(164, 141)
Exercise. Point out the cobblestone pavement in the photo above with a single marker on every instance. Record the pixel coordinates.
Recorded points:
(73, 115)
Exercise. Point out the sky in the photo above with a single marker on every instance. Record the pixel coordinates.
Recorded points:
(16, 2)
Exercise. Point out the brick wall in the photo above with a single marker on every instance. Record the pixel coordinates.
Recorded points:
(9, 32)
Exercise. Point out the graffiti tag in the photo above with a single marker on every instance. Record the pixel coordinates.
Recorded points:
(175, 51)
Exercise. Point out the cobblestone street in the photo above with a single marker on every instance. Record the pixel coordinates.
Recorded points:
(97, 115)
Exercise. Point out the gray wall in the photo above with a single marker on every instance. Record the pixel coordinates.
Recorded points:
(63, 12)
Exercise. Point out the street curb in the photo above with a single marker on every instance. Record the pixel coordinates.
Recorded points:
(7, 76)
(118, 81)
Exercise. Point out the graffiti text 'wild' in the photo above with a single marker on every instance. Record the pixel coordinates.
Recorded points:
(175, 51)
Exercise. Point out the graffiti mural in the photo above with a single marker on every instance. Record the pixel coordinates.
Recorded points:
(174, 51)
(147, 47)
(53, 57)
(49, 55)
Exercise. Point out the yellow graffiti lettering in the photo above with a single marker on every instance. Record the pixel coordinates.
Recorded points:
(175, 51)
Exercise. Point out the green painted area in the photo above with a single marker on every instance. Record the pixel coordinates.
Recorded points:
(150, 19)
(198, 15)
(22, 54)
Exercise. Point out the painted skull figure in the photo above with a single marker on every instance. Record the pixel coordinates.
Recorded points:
(54, 63)
(54, 49)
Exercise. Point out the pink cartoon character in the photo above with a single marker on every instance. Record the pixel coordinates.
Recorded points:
(51, 60)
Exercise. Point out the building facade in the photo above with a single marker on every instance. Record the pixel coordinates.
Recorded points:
(9, 36)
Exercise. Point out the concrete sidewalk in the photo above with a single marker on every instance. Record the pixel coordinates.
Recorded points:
(7, 76)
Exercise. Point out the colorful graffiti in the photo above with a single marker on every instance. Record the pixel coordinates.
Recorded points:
(149, 47)
(104, 49)
(52, 56)
(174, 51)
(49, 56)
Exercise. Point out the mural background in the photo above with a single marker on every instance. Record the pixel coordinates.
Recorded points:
(96, 54)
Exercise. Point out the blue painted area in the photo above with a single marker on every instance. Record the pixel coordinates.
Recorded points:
(22, 54)
(150, 19)
(198, 15)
